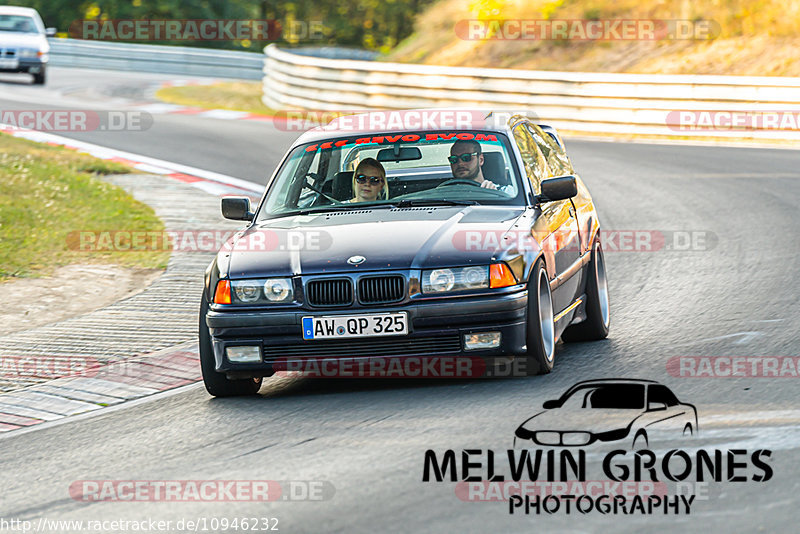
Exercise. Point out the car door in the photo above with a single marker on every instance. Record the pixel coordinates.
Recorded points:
(582, 202)
(555, 228)
(572, 231)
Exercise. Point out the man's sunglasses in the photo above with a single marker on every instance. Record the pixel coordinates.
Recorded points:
(463, 157)
(373, 180)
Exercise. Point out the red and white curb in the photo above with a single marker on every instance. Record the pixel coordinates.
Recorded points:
(119, 382)
(221, 114)
(100, 387)
(208, 181)
(163, 108)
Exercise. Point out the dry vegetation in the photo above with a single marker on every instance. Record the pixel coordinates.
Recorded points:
(756, 37)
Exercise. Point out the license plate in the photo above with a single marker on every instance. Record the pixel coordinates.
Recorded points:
(344, 326)
(9, 63)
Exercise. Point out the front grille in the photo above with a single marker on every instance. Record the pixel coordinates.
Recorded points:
(337, 292)
(360, 348)
(381, 289)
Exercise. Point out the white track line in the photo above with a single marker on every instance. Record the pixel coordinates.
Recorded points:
(107, 153)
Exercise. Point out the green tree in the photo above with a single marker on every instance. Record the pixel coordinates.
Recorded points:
(371, 24)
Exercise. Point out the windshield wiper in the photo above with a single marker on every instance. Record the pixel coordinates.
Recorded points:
(358, 206)
(409, 203)
(355, 206)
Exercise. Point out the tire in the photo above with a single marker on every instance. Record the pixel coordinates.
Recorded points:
(540, 330)
(41, 77)
(217, 384)
(598, 318)
(637, 439)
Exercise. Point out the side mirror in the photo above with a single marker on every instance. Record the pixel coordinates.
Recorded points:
(50, 32)
(549, 405)
(560, 188)
(237, 209)
(656, 406)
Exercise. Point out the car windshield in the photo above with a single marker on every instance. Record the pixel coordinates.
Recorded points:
(406, 169)
(17, 23)
(607, 396)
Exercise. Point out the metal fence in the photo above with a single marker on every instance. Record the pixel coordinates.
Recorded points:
(156, 58)
(587, 102)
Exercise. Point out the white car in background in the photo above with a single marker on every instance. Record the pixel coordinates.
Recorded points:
(23, 42)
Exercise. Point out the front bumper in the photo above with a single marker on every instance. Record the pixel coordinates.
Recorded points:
(436, 328)
(33, 65)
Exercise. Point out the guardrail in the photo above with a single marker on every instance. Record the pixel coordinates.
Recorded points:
(156, 58)
(584, 102)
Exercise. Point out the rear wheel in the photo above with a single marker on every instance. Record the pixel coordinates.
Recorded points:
(598, 318)
(217, 383)
(540, 335)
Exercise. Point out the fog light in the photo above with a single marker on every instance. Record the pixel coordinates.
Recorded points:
(483, 340)
(247, 354)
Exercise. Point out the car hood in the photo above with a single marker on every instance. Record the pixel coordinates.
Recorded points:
(400, 238)
(24, 40)
(581, 420)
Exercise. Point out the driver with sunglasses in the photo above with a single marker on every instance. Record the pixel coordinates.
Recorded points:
(466, 160)
(369, 182)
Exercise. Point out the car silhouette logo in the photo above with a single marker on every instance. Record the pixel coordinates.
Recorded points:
(356, 260)
(608, 410)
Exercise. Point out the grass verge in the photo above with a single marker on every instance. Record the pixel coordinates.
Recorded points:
(236, 96)
(47, 192)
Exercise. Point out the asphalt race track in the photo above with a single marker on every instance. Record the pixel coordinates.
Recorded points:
(736, 294)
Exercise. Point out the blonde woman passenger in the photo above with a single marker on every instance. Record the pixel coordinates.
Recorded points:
(369, 182)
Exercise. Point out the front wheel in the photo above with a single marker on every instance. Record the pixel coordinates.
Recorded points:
(41, 77)
(540, 334)
(217, 383)
(598, 318)
(640, 441)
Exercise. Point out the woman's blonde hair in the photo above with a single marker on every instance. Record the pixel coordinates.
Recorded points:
(374, 163)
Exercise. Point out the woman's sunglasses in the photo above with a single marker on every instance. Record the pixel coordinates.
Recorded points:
(463, 157)
(373, 180)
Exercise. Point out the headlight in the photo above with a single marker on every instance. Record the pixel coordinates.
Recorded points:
(278, 290)
(270, 291)
(246, 291)
(28, 52)
(458, 279)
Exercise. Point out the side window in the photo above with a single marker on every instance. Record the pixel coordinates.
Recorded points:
(557, 159)
(532, 157)
(662, 394)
